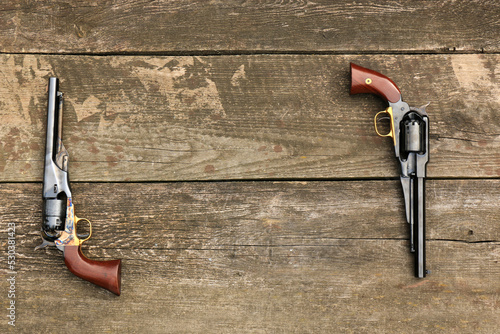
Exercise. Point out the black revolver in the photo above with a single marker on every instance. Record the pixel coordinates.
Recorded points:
(409, 130)
(59, 225)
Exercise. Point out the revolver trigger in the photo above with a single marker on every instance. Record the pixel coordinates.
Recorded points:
(390, 116)
(85, 235)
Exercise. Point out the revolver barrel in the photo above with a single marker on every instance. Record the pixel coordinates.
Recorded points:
(413, 158)
(55, 181)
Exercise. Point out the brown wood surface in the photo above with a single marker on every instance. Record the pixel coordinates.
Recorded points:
(126, 26)
(217, 152)
(244, 117)
(287, 257)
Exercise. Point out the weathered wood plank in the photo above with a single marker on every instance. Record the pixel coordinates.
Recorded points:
(243, 117)
(264, 257)
(462, 210)
(317, 290)
(236, 26)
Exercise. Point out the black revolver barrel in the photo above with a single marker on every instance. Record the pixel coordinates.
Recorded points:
(418, 225)
(414, 156)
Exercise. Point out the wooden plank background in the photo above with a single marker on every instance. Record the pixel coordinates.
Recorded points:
(217, 152)
(248, 26)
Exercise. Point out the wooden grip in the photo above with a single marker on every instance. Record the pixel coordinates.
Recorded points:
(105, 274)
(364, 80)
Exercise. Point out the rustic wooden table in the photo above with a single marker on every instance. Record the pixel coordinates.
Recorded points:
(216, 149)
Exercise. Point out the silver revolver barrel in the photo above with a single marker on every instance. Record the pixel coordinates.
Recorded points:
(56, 189)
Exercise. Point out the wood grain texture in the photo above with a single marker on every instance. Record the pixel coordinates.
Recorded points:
(243, 117)
(255, 93)
(187, 25)
(288, 257)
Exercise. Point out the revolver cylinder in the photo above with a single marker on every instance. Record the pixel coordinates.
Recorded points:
(412, 136)
(54, 215)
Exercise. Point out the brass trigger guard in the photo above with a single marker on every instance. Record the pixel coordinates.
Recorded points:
(77, 220)
(391, 131)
